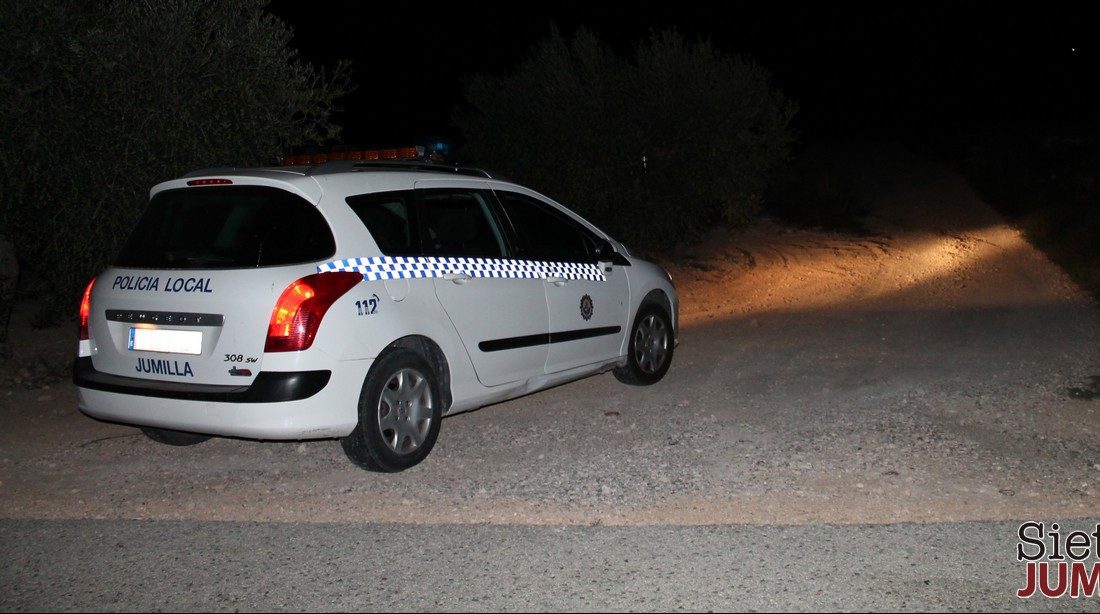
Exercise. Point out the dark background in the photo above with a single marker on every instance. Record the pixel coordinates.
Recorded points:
(898, 69)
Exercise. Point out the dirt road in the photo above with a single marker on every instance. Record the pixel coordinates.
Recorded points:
(936, 370)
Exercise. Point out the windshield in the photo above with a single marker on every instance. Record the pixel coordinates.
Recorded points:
(227, 227)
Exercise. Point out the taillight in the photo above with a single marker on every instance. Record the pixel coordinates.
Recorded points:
(298, 312)
(86, 310)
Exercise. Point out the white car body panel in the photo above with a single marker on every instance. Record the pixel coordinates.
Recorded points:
(456, 317)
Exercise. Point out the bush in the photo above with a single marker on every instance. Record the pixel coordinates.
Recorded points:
(100, 101)
(1046, 181)
(815, 192)
(653, 149)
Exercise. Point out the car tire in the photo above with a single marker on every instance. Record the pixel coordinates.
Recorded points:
(173, 438)
(649, 353)
(400, 409)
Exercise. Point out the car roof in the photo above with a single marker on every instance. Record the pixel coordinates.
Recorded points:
(304, 180)
(348, 166)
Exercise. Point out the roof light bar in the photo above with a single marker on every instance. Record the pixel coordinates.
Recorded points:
(395, 153)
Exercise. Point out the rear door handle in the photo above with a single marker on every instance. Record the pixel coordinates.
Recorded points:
(457, 278)
(557, 281)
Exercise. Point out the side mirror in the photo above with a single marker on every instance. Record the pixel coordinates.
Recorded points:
(604, 250)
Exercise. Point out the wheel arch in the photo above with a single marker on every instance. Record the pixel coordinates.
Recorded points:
(657, 297)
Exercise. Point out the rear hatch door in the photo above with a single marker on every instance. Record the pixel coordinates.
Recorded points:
(191, 294)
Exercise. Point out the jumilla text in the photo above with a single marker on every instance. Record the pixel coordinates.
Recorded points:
(164, 367)
(1059, 562)
(171, 284)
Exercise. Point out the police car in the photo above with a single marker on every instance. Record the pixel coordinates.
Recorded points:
(358, 300)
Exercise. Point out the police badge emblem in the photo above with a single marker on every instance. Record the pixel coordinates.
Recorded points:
(586, 307)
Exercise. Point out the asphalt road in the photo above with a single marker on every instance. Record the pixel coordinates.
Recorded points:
(151, 566)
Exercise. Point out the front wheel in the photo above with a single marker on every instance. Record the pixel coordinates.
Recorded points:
(649, 354)
(400, 410)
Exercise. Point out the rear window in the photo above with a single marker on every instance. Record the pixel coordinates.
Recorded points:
(227, 227)
(389, 218)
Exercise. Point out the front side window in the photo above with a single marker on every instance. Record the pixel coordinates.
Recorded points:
(544, 233)
(222, 227)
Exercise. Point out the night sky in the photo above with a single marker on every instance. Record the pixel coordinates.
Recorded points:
(854, 69)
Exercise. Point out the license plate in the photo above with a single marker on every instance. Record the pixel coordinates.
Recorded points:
(167, 341)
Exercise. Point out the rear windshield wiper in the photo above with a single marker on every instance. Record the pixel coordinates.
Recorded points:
(196, 258)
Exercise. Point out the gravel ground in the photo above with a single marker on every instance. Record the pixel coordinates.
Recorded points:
(938, 369)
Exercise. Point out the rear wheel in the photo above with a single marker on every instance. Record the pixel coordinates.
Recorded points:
(650, 351)
(400, 410)
(173, 438)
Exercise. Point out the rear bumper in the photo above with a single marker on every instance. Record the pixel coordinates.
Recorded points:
(278, 405)
(268, 387)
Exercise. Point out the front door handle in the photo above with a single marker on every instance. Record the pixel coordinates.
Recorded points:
(457, 278)
(557, 281)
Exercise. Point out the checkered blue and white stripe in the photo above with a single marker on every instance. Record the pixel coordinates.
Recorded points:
(376, 268)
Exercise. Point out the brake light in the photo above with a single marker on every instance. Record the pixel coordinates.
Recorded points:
(298, 312)
(195, 182)
(85, 310)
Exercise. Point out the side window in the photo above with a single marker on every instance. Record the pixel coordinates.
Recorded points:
(544, 233)
(389, 216)
(459, 223)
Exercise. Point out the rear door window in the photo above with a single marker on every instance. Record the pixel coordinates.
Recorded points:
(440, 222)
(459, 223)
(227, 227)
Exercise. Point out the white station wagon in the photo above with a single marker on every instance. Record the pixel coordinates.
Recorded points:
(360, 301)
